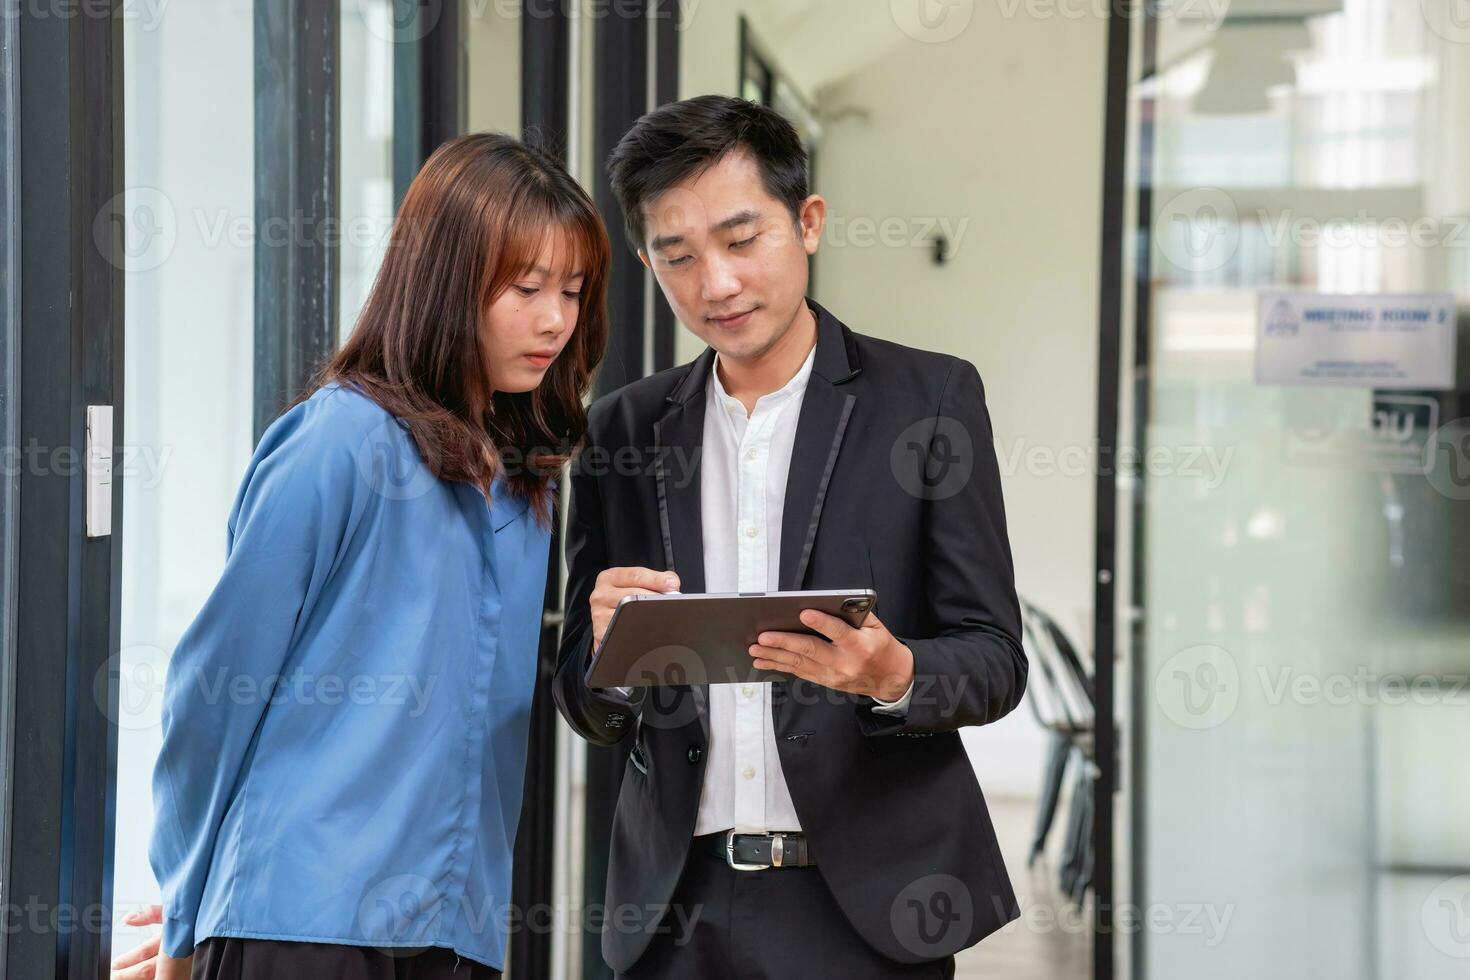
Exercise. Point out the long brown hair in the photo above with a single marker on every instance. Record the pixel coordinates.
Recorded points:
(472, 222)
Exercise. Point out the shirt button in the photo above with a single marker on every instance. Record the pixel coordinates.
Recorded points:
(695, 753)
(748, 772)
(751, 531)
(752, 454)
(747, 691)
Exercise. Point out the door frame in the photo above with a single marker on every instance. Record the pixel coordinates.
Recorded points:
(67, 151)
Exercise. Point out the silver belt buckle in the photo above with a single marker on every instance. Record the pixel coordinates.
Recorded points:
(730, 855)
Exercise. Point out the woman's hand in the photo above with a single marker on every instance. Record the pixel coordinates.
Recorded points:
(140, 962)
(174, 969)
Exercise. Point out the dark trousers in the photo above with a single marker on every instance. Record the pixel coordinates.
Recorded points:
(228, 958)
(763, 925)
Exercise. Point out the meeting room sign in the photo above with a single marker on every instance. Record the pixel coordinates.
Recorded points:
(1375, 340)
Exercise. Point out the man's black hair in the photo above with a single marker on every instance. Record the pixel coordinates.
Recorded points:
(682, 139)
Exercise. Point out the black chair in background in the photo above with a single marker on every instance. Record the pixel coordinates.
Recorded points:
(1060, 692)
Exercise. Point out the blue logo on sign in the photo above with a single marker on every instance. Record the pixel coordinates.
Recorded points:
(1283, 321)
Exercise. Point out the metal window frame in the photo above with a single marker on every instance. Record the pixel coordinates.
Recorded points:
(546, 55)
(9, 380)
(428, 85)
(635, 68)
(1139, 693)
(1105, 550)
(298, 58)
(68, 149)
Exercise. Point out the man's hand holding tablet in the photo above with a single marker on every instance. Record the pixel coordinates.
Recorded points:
(829, 637)
(866, 659)
(614, 583)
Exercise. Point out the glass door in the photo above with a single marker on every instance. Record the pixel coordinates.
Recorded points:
(1302, 707)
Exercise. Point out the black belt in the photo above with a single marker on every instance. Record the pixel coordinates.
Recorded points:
(757, 852)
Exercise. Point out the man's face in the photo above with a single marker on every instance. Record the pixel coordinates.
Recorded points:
(729, 257)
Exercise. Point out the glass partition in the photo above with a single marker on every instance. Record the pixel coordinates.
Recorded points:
(1302, 691)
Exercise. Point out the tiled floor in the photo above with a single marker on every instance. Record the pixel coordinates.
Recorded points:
(1050, 940)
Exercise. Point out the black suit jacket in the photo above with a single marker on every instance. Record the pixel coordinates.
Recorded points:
(893, 485)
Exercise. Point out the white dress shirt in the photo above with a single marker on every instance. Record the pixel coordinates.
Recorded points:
(743, 468)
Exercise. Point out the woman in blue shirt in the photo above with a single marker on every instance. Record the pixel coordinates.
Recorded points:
(344, 724)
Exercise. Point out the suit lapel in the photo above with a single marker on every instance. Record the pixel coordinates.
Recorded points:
(825, 410)
(679, 437)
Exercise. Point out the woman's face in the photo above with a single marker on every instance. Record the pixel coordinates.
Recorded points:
(530, 323)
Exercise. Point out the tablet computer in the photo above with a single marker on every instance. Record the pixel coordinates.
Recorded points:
(703, 638)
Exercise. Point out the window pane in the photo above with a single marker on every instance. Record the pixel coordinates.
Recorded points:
(188, 95)
(366, 150)
(9, 475)
(1307, 630)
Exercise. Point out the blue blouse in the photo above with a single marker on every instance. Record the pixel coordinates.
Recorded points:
(345, 722)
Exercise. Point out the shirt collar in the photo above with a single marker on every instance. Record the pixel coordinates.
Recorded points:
(795, 386)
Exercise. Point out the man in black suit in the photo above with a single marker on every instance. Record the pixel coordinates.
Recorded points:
(829, 824)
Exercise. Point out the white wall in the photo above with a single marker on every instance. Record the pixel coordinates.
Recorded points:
(492, 39)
